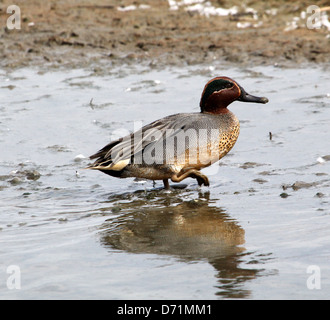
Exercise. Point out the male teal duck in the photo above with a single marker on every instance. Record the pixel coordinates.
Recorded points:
(180, 145)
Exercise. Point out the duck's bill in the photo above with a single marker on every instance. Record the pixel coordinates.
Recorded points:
(245, 97)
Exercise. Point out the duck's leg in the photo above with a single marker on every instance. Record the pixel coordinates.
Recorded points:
(202, 179)
(192, 173)
(166, 184)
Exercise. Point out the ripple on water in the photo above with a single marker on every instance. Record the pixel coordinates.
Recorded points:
(76, 233)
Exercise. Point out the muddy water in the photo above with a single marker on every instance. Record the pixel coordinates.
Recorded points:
(256, 232)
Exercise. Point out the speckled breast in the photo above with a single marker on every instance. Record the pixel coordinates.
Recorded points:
(222, 137)
(228, 139)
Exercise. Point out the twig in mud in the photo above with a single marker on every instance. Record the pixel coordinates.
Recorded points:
(91, 103)
(96, 6)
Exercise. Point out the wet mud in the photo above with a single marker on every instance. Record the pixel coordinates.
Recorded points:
(77, 33)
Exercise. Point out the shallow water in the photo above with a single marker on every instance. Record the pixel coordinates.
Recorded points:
(74, 233)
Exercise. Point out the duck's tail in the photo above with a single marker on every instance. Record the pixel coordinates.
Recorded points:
(104, 161)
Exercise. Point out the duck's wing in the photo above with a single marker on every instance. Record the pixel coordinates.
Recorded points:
(132, 148)
(188, 140)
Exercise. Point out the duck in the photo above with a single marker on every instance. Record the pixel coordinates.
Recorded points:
(180, 145)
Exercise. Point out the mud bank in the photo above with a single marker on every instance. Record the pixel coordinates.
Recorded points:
(77, 33)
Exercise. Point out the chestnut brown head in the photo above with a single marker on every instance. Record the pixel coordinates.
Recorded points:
(220, 92)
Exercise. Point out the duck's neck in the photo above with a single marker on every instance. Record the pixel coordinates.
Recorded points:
(215, 110)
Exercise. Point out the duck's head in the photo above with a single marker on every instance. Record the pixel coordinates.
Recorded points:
(220, 92)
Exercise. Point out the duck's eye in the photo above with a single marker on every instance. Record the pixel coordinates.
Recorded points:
(229, 85)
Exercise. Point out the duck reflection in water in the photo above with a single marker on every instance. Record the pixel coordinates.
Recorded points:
(192, 230)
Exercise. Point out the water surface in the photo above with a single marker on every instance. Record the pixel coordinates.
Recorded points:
(75, 233)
